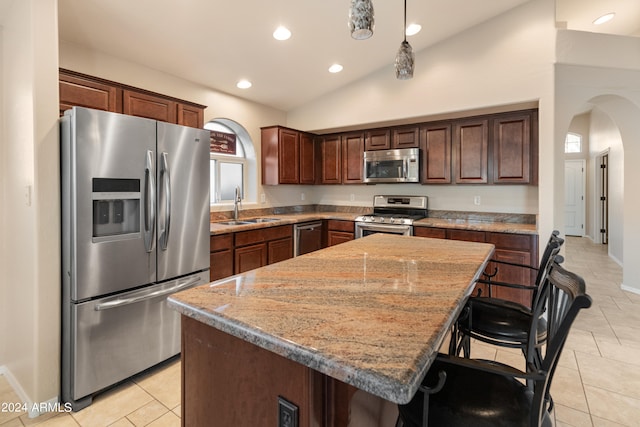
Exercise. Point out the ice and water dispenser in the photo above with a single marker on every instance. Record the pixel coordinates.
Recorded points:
(116, 208)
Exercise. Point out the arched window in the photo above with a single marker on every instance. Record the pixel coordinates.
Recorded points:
(573, 143)
(229, 171)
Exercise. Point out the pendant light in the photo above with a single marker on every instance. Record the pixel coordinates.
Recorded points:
(405, 58)
(361, 20)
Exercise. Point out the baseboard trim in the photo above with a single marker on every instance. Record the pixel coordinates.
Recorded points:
(35, 409)
(630, 289)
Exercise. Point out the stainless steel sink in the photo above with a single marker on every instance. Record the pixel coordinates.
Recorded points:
(235, 222)
(248, 221)
(256, 220)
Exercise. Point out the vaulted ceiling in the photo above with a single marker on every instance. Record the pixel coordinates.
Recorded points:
(218, 42)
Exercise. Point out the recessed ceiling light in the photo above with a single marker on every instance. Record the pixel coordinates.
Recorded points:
(604, 18)
(281, 33)
(335, 68)
(413, 29)
(243, 84)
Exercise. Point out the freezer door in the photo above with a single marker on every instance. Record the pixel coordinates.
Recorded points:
(108, 202)
(113, 338)
(183, 200)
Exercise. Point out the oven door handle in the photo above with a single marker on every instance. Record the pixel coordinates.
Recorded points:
(377, 227)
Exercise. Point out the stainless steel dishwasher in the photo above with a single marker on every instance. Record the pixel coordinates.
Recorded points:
(307, 237)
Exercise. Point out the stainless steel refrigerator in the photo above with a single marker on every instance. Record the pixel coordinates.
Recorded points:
(135, 229)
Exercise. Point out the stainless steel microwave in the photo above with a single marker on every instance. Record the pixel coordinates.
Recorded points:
(401, 165)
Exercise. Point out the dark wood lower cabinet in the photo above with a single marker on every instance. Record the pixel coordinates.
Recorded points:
(249, 257)
(436, 233)
(279, 250)
(339, 231)
(234, 253)
(509, 274)
(514, 248)
(337, 237)
(227, 381)
(220, 256)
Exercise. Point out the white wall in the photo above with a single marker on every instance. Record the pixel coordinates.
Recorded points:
(610, 81)
(4, 355)
(507, 60)
(30, 255)
(604, 134)
(250, 115)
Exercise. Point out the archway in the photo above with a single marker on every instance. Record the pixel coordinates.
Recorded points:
(623, 115)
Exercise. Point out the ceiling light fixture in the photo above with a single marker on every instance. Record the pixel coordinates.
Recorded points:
(405, 58)
(604, 18)
(281, 33)
(361, 20)
(413, 29)
(243, 84)
(335, 68)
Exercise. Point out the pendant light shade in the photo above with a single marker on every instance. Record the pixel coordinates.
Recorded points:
(405, 57)
(404, 61)
(361, 20)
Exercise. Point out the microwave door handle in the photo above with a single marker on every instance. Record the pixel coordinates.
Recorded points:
(149, 202)
(165, 176)
(405, 167)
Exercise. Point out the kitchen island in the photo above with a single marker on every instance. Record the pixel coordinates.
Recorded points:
(369, 314)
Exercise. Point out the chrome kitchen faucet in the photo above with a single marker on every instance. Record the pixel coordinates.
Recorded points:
(237, 200)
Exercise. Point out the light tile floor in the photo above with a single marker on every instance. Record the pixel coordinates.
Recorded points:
(597, 382)
(149, 399)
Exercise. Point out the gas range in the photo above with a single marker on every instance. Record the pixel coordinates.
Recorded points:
(396, 210)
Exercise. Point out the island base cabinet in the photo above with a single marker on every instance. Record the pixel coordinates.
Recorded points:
(229, 382)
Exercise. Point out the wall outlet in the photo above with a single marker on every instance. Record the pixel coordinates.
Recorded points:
(263, 198)
(476, 200)
(352, 197)
(287, 413)
(301, 196)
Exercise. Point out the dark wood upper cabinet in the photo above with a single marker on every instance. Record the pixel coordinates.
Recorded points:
(405, 137)
(190, 116)
(392, 138)
(512, 149)
(77, 91)
(377, 139)
(435, 143)
(470, 151)
(498, 148)
(149, 106)
(288, 156)
(280, 156)
(331, 159)
(81, 90)
(352, 158)
(307, 159)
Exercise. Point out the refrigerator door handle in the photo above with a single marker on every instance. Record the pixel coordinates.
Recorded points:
(126, 301)
(165, 176)
(149, 202)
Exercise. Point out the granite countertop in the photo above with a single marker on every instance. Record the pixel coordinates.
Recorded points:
(466, 224)
(371, 312)
(461, 224)
(220, 228)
